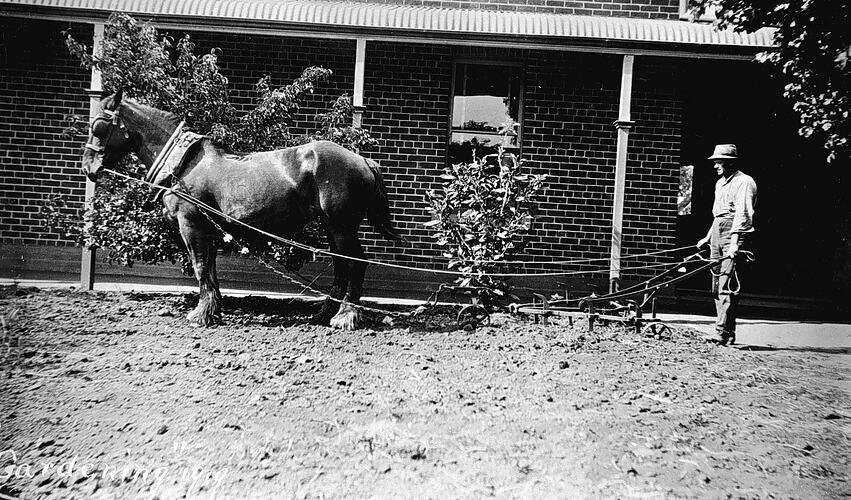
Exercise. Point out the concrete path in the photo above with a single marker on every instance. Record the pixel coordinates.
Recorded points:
(752, 333)
(830, 337)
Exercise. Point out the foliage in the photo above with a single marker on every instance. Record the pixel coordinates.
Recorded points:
(813, 51)
(479, 215)
(333, 127)
(134, 57)
(118, 215)
(684, 196)
(152, 69)
(266, 127)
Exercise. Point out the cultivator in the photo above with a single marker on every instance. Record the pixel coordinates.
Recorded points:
(471, 315)
(628, 306)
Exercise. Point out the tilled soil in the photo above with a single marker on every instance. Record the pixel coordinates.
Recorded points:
(110, 395)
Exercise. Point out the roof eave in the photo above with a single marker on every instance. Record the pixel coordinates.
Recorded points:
(279, 28)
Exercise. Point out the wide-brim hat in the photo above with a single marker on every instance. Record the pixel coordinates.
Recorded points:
(724, 152)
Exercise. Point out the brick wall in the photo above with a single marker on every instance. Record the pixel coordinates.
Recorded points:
(407, 108)
(570, 102)
(652, 180)
(646, 9)
(40, 84)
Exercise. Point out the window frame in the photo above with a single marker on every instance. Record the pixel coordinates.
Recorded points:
(520, 66)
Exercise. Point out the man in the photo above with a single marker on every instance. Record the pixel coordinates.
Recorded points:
(733, 210)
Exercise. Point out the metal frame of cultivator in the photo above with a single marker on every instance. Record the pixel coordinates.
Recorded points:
(627, 306)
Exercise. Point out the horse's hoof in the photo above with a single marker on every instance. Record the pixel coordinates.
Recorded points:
(347, 318)
(205, 315)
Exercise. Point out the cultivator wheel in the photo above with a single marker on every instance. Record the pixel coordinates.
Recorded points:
(657, 330)
(473, 315)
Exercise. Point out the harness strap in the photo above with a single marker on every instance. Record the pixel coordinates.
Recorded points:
(159, 161)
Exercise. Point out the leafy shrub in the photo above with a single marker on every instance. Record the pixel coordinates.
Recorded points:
(479, 216)
(136, 58)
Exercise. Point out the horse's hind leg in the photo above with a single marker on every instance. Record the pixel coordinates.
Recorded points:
(338, 289)
(348, 316)
(201, 246)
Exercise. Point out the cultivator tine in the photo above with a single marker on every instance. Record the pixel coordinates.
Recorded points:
(545, 306)
(591, 317)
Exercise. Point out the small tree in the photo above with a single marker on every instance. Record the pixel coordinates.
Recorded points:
(136, 58)
(480, 214)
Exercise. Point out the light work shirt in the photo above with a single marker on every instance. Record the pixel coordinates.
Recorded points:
(735, 198)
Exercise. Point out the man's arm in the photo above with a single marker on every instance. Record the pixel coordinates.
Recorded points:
(743, 218)
(734, 244)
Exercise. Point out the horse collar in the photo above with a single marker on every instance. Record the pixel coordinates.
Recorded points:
(171, 161)
(162, 156)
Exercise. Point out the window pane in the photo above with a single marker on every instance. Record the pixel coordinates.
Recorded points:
(480, 112)
(465, 146)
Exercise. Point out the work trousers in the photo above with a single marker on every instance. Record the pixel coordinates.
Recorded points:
(725, 281)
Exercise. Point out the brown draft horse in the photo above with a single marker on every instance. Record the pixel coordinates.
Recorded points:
(276, 191)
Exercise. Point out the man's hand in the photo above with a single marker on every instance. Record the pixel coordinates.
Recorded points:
(733, 249)
(703, 242)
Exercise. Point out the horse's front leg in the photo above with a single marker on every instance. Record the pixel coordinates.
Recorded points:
(202, 250)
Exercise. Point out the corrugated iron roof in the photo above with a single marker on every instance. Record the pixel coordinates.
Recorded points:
(434, 22)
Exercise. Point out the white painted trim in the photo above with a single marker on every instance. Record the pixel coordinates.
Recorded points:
(360, 67)
(625, 106)
(96, 83)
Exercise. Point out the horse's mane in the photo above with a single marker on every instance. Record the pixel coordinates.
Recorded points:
(160, 116)
(150, 112)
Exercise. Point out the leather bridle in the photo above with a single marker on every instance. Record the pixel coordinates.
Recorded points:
(115, 121)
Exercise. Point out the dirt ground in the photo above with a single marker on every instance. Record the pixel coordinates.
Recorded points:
(113, 395)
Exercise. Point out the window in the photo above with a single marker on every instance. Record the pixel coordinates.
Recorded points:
(485, 110)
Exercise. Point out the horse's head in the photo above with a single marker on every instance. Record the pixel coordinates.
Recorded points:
(109, 140)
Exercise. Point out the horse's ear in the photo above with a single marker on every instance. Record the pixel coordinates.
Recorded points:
(116, 99)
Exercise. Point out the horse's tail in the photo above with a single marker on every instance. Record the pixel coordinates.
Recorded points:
(378, 211)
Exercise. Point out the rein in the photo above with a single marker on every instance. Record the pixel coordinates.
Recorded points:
(651, 285)
(218, 213)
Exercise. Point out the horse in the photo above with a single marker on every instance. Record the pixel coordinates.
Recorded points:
(276, 191)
